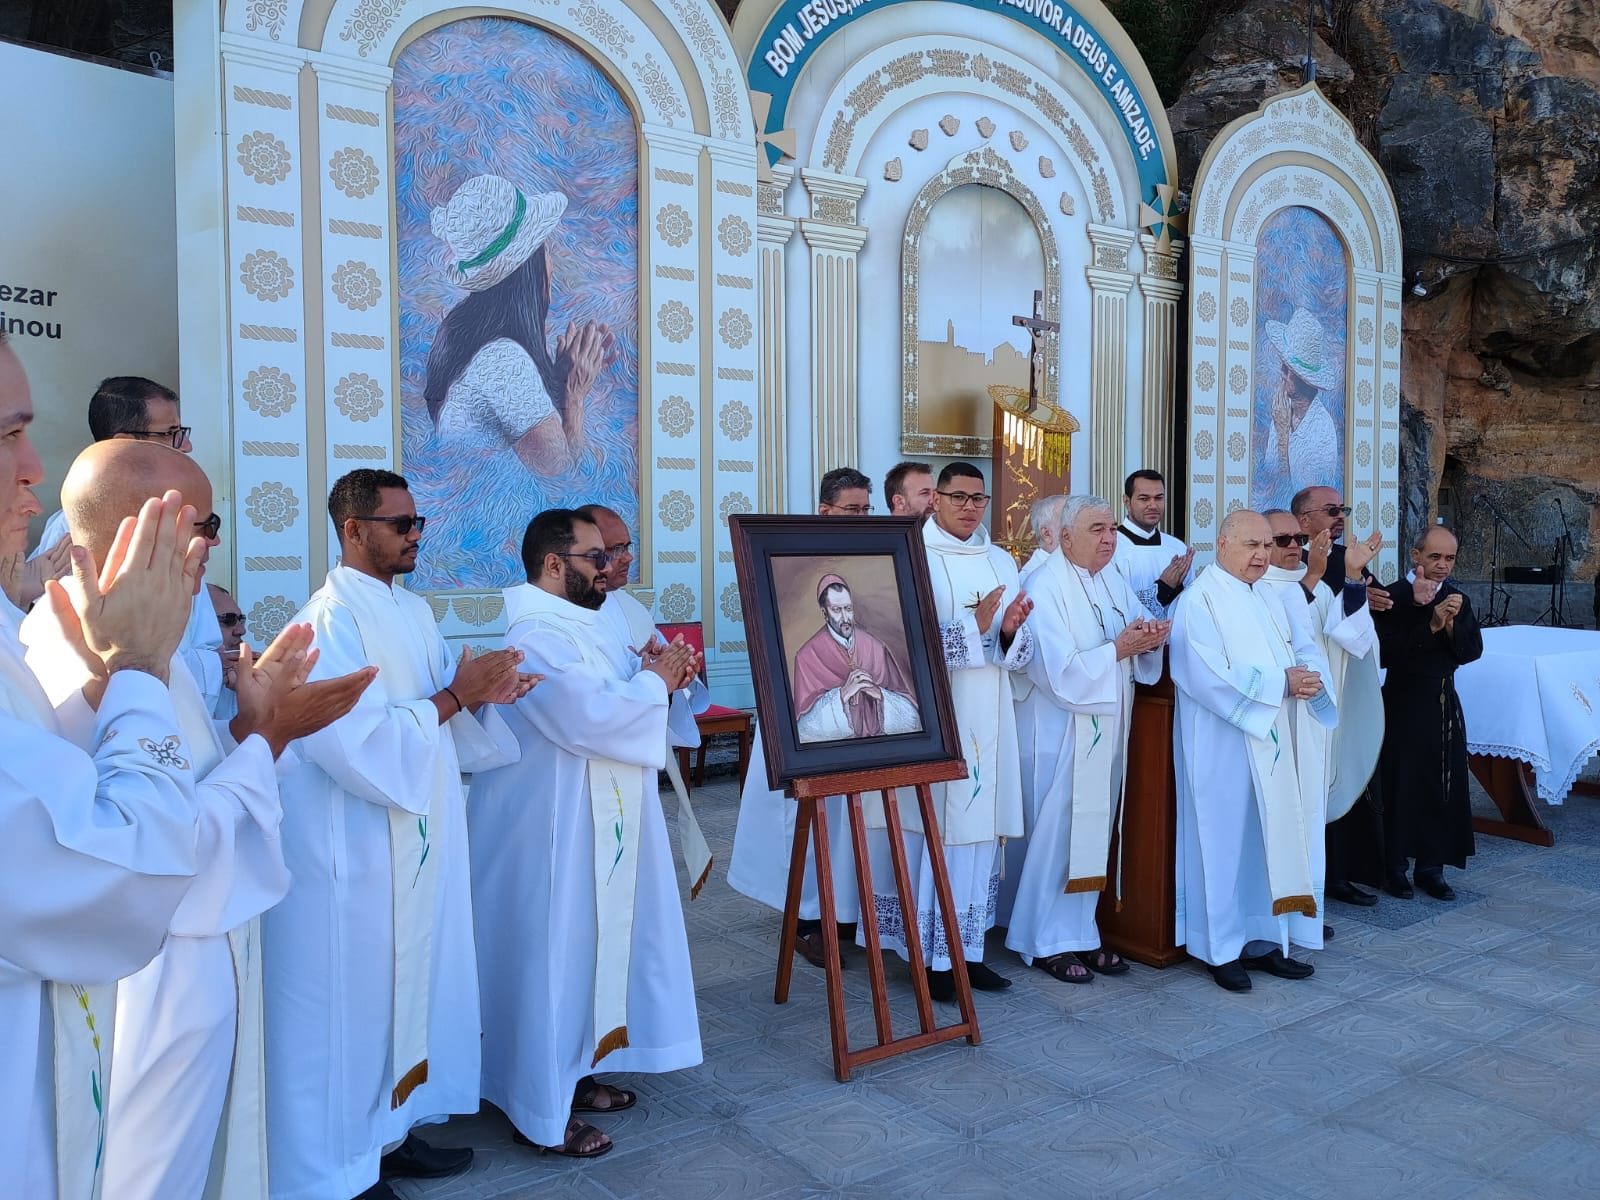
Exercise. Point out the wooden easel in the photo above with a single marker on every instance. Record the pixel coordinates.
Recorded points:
(812, 821)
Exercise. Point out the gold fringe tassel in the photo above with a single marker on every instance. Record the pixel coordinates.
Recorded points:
(617, 1039)
(694, 892)
(409, 1082)
(1093, 883)
(1304, 905)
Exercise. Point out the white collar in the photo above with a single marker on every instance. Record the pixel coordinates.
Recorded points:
(940, 542)
(525, 601)
(1282, 575)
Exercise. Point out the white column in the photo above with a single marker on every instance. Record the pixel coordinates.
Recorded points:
(773, 231)
(1161, 290)
(834, 240)
(1109, 284)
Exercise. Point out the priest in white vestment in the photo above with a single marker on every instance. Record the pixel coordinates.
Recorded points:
(189, 1024)
(1157, 565)
(1092, 639)
(97, 850)
(1245, 665)
(763, 837)
(372, 980)
(583, 957)
(1044, 517)
(636, 642)
(981, 614)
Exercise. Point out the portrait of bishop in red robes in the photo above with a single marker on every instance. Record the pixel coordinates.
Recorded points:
(847, 683)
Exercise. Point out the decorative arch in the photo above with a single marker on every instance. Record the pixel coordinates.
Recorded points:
(288, 294)
(1297, 150)
(987, 169)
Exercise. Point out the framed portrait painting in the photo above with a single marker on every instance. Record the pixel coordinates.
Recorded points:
(843, 645)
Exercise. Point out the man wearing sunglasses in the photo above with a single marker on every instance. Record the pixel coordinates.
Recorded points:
(372, 997)
(231, 623)
(132, 408)
(1335, 763)
(185, 1050)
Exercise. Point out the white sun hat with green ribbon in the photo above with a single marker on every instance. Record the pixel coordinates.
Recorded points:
(1304, 349)
(492, 227)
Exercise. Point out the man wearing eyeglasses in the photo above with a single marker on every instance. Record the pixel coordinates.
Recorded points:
(764, 836)
(186, 1049)
(231, 623)
(981, 613)
(130, 407)
(1094, 638)
(1334, 763)
(584, 957)
(372, 993)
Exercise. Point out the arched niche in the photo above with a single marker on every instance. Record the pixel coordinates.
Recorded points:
(288, 262)
(1296, 152)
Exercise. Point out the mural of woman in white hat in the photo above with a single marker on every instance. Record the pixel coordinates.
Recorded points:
(491, 379)
(1303, 440)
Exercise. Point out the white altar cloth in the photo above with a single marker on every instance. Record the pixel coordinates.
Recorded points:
(1535, 696)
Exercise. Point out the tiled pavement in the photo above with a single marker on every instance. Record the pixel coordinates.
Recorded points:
(1447, 1051)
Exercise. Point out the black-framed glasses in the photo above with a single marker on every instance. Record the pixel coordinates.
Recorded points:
(1284, 540)
(174, 437)
(600, 558)
(402, 525)
(853, 510)
(1334, 510)
(229, 620)
(210, 527)
(619, 549)
(966, 499)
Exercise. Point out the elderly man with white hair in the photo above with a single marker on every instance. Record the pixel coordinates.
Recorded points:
(1094, 638)
(1045, 518)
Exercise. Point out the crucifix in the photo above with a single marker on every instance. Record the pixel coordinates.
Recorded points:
(1037, 327)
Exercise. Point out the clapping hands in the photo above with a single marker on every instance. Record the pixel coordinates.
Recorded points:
(1140, 636)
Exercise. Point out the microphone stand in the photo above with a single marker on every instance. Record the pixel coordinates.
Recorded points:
(1558, 585)
(1497, 589)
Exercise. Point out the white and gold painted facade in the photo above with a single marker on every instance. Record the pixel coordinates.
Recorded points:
(288, 307)
(1296, 150)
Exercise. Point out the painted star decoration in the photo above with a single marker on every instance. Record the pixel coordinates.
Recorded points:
(781, 140)
(1162, 219)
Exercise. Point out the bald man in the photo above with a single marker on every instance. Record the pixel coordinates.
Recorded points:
(96, 849)
(1424, 638)
(188, 1024)
(1244, 666)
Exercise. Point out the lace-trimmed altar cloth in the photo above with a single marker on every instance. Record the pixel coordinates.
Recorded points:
(1535, 696)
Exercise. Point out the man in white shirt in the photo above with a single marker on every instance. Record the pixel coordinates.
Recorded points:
(96, 852)
(1044, 516)
(1158, 565)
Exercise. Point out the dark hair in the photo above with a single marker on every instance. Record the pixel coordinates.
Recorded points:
(958, 470)
(554, 531)
(1142, 473)
(895, 481)
(514, 308)
(841, 479)
(121, 404)
(356, 495)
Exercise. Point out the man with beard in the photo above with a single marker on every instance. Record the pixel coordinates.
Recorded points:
(908, 489)
(1354, 842)
(372, 988)
(846, 682)
(1430, 631)
(583, 954)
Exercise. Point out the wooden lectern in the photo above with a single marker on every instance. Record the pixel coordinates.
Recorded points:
(812, 823)
(1141, 928)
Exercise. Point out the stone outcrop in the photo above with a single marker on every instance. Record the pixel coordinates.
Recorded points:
(1486, 119)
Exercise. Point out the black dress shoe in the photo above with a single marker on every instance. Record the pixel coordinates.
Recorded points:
(1346, 892)
(1399, 886)
(1275, 963)
(379, 1191)
(1436, 887)
(983, 979)
(1231, 976)
(942, 986)
(1327, 933)
(415, 1159)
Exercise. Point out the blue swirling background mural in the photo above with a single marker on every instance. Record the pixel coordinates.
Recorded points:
(1301, 318)
(492, 96)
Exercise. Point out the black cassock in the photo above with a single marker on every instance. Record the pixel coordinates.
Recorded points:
(1427, 813)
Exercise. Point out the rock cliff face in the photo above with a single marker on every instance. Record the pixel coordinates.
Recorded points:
(1486, 118)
